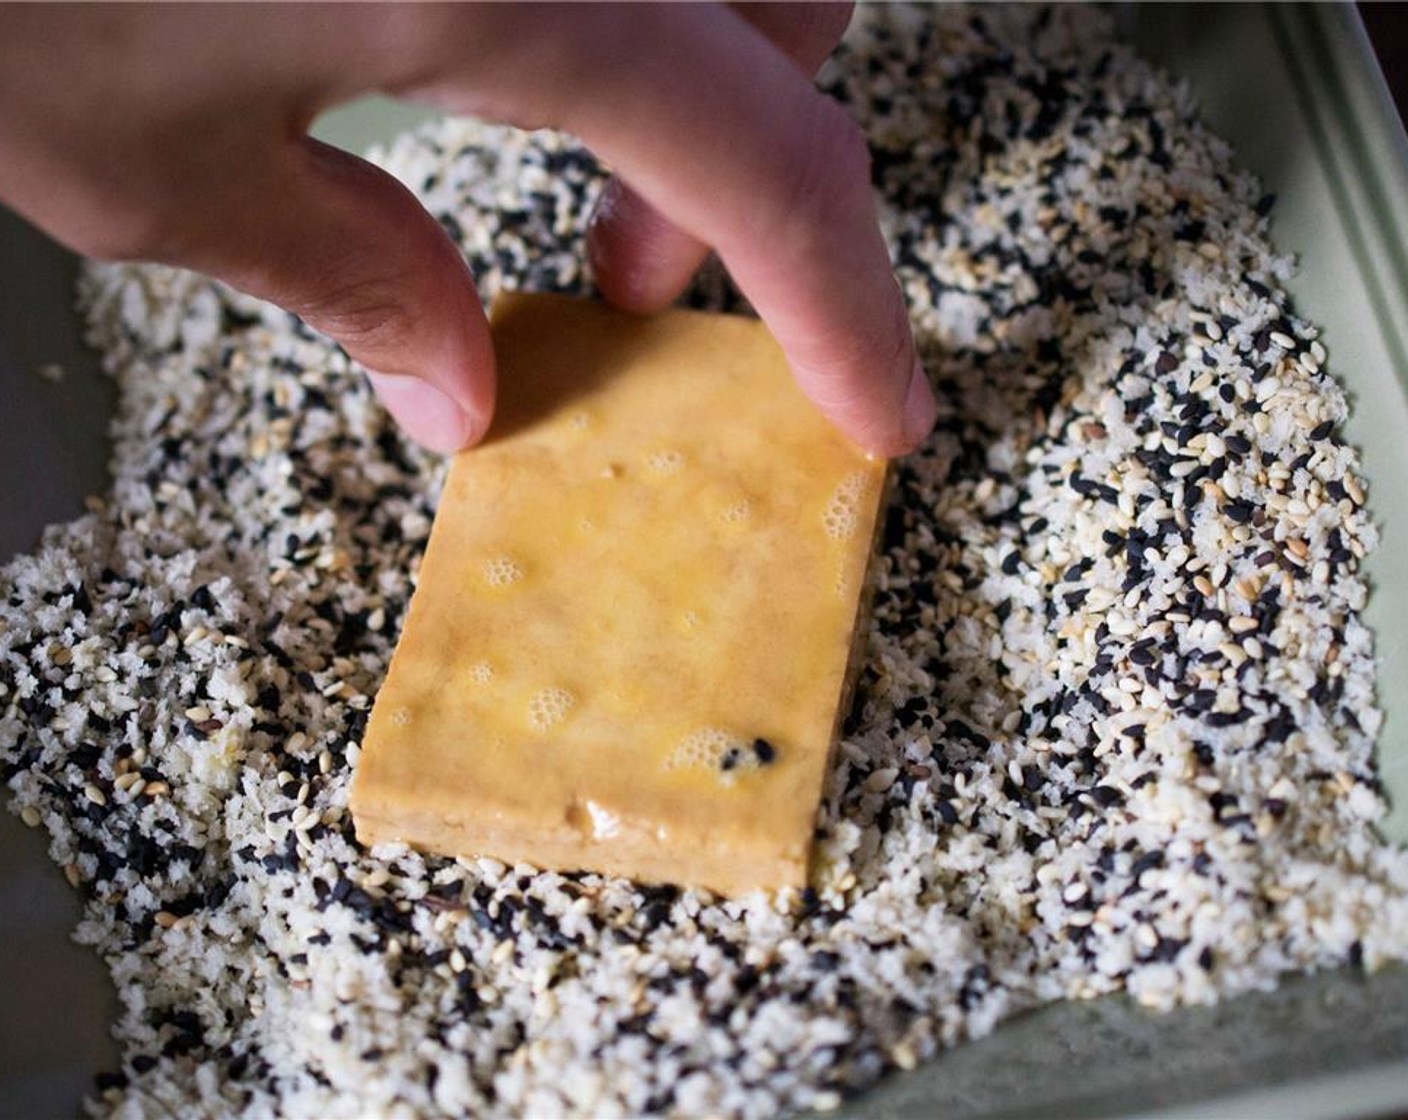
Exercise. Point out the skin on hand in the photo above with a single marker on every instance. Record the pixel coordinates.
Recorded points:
(178, 134)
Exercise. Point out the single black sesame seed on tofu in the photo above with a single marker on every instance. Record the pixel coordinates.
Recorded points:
(764, 752)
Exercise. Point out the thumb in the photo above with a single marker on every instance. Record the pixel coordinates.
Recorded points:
(347, 248)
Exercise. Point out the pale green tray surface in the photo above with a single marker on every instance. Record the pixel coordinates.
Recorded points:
(1296, 91)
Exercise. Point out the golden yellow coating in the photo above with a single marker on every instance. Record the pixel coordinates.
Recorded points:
(634, 617)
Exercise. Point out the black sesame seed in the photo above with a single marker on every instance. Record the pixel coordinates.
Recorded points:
(1239, 511)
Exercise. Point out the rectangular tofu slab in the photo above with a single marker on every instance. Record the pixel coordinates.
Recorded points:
(631, 634)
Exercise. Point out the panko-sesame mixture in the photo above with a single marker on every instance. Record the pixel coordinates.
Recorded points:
(1115, 725)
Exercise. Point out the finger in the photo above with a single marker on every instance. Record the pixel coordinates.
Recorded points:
(807, 33)
(640, 260)
(717, 129)
(347, 248)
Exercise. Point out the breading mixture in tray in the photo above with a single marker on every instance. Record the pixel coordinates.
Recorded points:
(1114, 730)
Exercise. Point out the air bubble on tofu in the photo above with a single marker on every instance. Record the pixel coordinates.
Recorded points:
(665, 461)
(502, 571)
(549, 707)
(842, 513)
(721, 752)
(737, 513)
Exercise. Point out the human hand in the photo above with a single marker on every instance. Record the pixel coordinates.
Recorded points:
(178, 134)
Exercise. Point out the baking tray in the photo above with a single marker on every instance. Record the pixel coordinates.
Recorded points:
(1298, 93)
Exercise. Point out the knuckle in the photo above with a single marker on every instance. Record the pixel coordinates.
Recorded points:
(894, 349)
(827, 22)
(874, 353)
(371, 317)
(806, 30)
(830, 176)
(143, 234)
(865, 377)
(111, 225)
(102, 241)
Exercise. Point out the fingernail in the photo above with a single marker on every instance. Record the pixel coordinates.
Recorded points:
(429, 417)
(920, 407)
